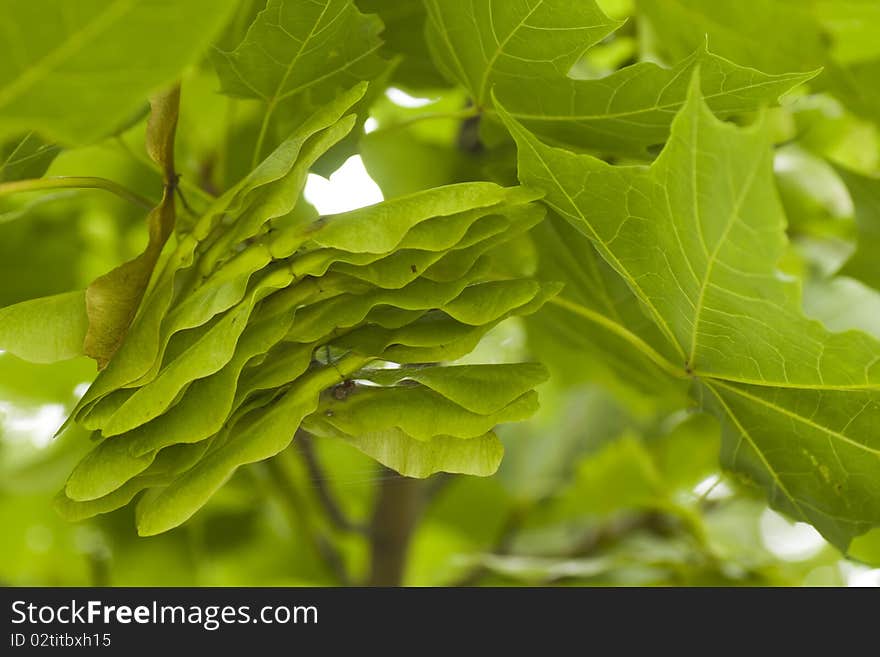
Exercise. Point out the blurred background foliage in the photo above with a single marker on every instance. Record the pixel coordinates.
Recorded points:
(612, 483)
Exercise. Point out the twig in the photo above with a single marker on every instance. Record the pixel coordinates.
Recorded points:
(148, 163)
(293, 502)
(331, 507)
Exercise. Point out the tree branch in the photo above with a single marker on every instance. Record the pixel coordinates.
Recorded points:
(395, 515)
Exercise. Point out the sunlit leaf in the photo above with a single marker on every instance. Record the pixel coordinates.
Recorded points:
(90, 65)
(299, 49)
(480, 44)
(710, 286)
(45, 330)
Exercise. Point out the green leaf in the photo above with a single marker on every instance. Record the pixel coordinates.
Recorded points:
(45, 330)
(27, 156)
(708, 209)
(739, 31)
(75, 73)
(577, 351)
(621, 476)
(492, 299)
(428, 249)
(299, 49)
(294, 45)
(481, 43)
(285, 363)
(404, 35)
(805, 36)
(524, 54)
(436, 336)
(630, 111)
(347, 310)
(75, 510)
(279, 199)
(489, 248)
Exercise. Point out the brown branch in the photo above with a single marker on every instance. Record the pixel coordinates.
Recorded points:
(395, 515)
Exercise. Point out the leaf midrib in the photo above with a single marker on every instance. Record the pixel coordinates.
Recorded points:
(707, 377)
(743, 432)
(293, 62)
(713, 257)
(800, 418)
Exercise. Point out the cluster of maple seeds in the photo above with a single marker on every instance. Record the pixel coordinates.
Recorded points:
(261, 312)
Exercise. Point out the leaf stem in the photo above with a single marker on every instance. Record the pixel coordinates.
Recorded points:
(278, 469)
(329, 504)
(222, 168)
(264, 127)
(75, 182)
(623, 333)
